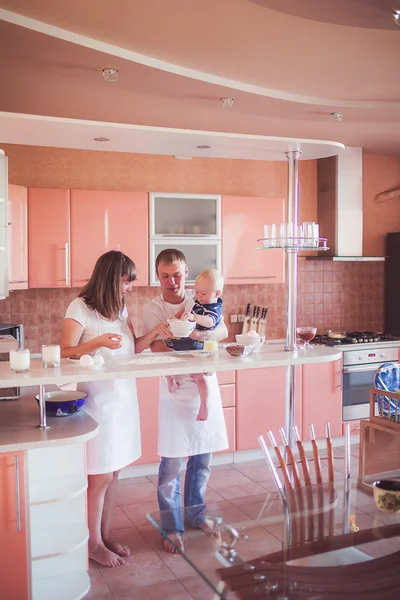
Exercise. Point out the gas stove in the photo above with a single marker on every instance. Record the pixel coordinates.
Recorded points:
(377, 340)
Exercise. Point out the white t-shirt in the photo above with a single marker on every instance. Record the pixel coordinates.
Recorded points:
(93, 324)
(158, 311)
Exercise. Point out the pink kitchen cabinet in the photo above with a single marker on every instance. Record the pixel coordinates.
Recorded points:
(322, 398)
(260, 404)
(18, 236)
(14, 580)
(148, 393)
(243, 220)
(103, 221)
(49, 238)
(228, 395)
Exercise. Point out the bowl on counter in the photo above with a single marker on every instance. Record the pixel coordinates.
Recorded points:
(181, 329)
(248, 339)
(63, 403)
(238, 350)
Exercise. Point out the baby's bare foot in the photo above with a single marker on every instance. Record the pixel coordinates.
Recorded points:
(104, 556)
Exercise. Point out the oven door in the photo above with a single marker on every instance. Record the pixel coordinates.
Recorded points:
(357, 383)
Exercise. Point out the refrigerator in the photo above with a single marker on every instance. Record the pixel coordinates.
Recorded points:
(392, 284)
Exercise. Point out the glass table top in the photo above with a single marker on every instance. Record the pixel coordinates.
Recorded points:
(319, 542)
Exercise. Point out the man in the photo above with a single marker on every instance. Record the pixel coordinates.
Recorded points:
(180, 434)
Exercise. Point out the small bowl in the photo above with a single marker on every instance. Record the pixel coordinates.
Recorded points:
(387, 495)
(251, 340)
(183, 344)
(181, 329)
(63, 403)
(238, 350)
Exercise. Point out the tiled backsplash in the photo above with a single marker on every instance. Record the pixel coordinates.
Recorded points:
(331, 295)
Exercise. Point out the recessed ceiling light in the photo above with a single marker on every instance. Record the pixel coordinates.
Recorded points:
(336, 116)
(203, 147)
(226, 102)
(101, 139)
(396, 16)
(110, 75)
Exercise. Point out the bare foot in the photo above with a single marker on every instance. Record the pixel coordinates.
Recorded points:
(177, 543)
(120, 549)
(211, 529)
(105, 557)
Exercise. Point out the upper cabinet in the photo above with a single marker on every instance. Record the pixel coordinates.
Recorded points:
(18, 237)
(3, 226)
(243, 220)
(103, 221)
(49, 238)
(190, 223)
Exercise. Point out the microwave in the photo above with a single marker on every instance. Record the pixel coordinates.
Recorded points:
(16, 330)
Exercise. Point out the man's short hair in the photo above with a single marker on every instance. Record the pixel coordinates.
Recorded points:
(169, 256)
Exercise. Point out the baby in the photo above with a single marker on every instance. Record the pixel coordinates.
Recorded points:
(207, 313)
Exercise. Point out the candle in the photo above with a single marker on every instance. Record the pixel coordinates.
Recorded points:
(20, 361)
(51, 355)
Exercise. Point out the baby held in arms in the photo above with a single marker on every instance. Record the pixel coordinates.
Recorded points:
(207, 313)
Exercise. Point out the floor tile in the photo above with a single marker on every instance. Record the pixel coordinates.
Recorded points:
(119, 520)
(136, 513)
(223, 479)
(198, 589)
(98, 589)
(137, 493)
(131, 481)
(239, 491)
(139, 571)
(132, 538)
(170, 590)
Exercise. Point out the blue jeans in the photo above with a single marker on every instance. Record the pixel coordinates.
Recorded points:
(169, 491)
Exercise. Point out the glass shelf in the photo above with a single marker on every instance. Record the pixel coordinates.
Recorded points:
(318, 245)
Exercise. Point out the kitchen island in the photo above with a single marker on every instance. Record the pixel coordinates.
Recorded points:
(44, 533)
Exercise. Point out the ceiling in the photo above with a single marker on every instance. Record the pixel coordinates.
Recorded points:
(287, 64)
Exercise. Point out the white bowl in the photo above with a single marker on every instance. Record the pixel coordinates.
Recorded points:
(180, 328)
(248, 339)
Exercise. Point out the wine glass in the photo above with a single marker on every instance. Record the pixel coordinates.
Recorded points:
(306, 334)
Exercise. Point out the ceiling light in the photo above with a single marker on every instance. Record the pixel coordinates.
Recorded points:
(396, 16)
(203, 147)
(110, 75)
(336, 116)
(101, 139)
(226, 102)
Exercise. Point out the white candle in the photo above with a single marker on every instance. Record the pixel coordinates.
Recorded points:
(51, 356)
(20, 360)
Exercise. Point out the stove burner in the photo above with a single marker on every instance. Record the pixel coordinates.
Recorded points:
(354, 337)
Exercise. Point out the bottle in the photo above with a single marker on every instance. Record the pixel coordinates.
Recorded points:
(262, 328)
(247, 319)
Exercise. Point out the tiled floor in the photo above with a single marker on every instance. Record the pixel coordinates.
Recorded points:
(150, 573)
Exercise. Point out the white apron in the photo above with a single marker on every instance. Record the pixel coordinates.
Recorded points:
(114, 405)
(179, 434)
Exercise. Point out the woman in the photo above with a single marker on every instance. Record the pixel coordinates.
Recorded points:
(97, 322)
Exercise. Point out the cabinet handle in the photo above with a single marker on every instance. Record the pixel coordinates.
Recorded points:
(67, 282)
(23, 281)
(17, 492)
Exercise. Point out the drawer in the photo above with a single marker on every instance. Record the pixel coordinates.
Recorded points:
(228, 395)
(230, 420)
(226, 377)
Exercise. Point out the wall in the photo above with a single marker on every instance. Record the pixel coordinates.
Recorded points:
(331, 295)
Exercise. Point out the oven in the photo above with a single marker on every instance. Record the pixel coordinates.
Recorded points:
(17, 331)
(359, 368)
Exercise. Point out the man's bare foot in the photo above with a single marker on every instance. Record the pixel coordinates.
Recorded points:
(120, 549)
(177, 545)
(211, 529)
(104, 556)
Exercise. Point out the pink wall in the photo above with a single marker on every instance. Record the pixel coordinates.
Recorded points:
(331, 295)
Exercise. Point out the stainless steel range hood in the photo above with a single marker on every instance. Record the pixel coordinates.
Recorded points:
(340, 206)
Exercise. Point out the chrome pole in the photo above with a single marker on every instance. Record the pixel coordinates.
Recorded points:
(291, 259)
(42, 408)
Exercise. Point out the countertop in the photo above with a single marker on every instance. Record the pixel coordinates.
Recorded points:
(271, 355)
(19, 431)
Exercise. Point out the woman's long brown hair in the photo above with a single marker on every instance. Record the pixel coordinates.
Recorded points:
(103, 290)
